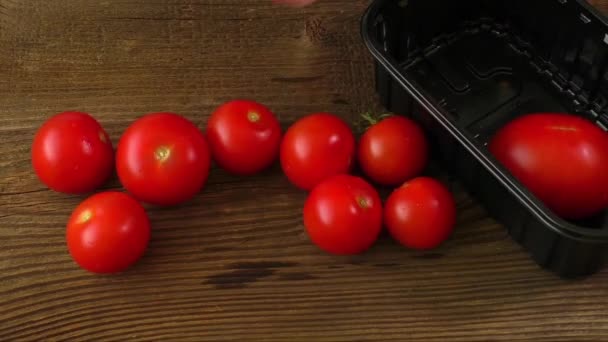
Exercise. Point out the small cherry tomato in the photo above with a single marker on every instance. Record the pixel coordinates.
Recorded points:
(163, 159)
(343, 215)
(315, 148)
(72, 153)
(420, 214)
(108, 232)
(393, 151)
(244, 137)
(560, 158)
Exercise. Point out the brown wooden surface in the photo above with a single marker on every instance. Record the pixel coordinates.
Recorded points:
(235, 264)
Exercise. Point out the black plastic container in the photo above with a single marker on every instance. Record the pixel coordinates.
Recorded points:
(465, 68)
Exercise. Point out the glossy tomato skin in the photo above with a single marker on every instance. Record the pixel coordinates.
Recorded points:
(561, 158)
(393, 151)
(315, 148)
(420, 214)
(163, 159)
(108, 232)
(72, 153)
(244, 137)
(343, 215)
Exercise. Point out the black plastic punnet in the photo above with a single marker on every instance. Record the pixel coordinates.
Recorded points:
(464, 68)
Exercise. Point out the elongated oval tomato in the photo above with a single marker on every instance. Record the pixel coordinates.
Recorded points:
(343, 215)
(315, 148)
(163, 159)
(108, 232)
(393, 151)
(244, 137)
(560, 158)
(72, 153)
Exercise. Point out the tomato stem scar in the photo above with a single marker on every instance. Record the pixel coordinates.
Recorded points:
(162, 153)
(102, 137)
(85, 216)
(362, 202)
(253, 116)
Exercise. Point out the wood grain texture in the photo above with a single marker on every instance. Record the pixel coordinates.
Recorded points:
(234, 263)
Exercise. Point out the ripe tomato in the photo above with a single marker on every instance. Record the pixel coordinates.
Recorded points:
(561, 158)
(108, 232)
(392, 151)
(420, 214)
(163, 159)
(343, 215)
(315, 148)
(72, 153)
(244, 137)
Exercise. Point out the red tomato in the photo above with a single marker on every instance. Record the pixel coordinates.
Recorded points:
(561, 158)
(420, 214)
(393, 150)
(315, 148)
(108, 232)
(72, 153)
(163, 159)
(244, 137)
(343, 215)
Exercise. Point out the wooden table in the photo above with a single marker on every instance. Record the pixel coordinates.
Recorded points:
(235, 264)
